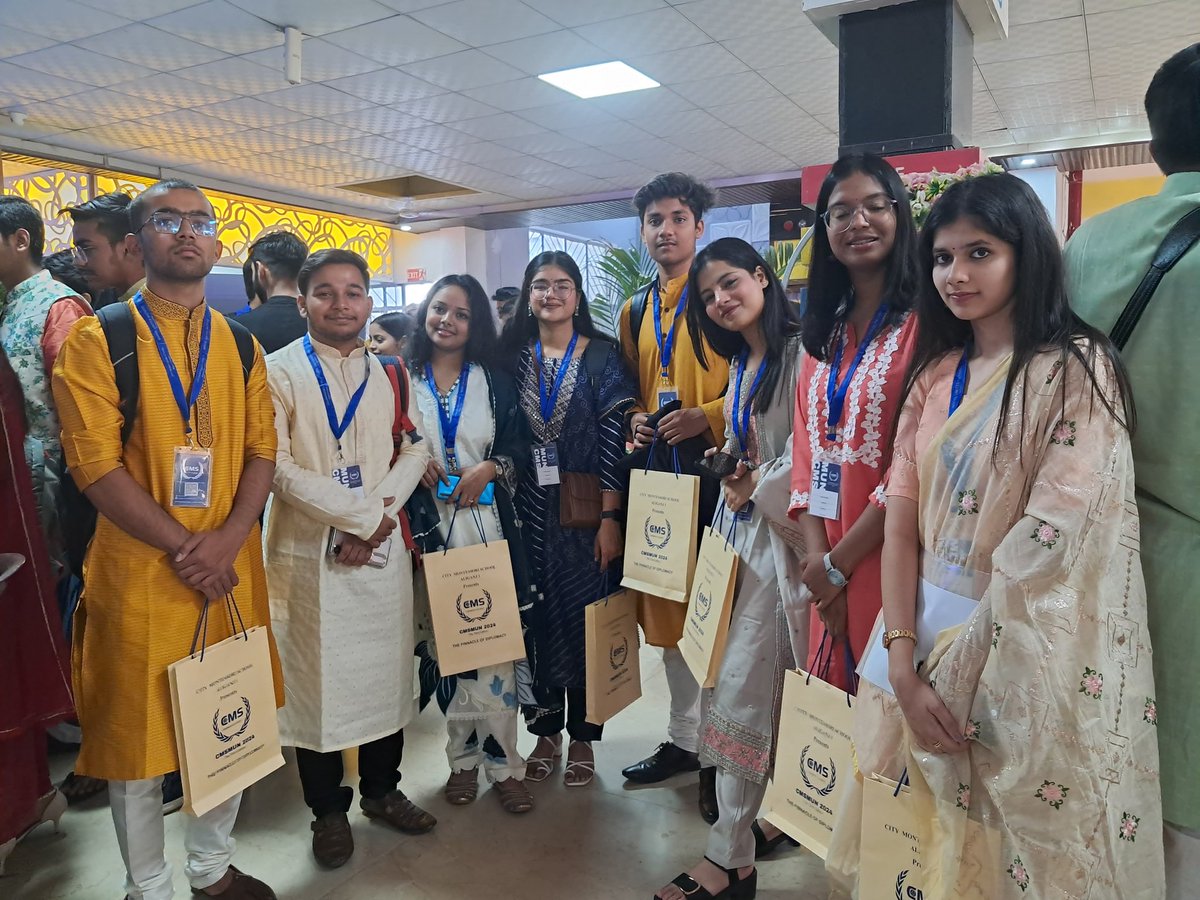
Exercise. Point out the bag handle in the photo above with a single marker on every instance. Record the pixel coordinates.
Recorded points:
(1178, 241)
(200, 635)
(450, 530)
(650, 456)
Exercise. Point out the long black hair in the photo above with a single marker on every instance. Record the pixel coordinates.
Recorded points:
(829, 285)
(1007, 208)
(481, 333)
(780, 317)
(523, 326)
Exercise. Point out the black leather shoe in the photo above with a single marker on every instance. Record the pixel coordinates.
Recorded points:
(709, 811)
(660, 765)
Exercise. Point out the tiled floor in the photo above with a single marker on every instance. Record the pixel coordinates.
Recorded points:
(595, 843)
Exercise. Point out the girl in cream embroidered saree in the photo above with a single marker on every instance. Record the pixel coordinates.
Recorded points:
(1029, 732)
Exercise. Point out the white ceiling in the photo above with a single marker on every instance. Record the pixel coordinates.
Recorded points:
(447, 89)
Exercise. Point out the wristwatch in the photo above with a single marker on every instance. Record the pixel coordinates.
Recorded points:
(836, 578)
(614, 514)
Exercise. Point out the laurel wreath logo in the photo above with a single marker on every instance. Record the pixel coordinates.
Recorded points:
(657, 542)
(618, 654)
(469, 617)
(900, 885)
(226, 738)
(821, 792)
(703, 605)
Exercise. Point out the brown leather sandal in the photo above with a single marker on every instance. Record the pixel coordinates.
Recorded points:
(241, 887)
(514, 796)
(398, 811)
(462, 787)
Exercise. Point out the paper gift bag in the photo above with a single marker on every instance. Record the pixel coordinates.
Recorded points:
(814, 760)
(473, 604)
(660, 534)
(226, 724)
(892, 859)
(614, 674)
(709, 608)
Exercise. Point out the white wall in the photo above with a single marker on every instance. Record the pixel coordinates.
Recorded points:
(1051, 187)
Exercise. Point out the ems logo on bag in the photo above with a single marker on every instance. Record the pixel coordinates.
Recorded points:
(658, 535)
(228, 725)
(823, 771)
(474, 609)
(703, 604)
(618, 653)
(909, 893)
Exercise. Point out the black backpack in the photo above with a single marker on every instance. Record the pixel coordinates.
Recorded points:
(637, 312)
(77, 515)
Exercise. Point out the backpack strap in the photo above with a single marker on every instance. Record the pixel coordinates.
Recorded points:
(595, 355)
(120, 331)
(397, 375)
(637, 313)
(245, 346)
(1178, 241)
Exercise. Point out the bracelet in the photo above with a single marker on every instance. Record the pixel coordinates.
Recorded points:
(614, 514)
(895, 633)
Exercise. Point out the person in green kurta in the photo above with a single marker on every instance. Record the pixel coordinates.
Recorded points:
(1106, 259)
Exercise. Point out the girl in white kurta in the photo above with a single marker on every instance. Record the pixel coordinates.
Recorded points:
(345, 632)
(454, 325)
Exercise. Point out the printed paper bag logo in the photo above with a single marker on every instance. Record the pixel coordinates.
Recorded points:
(474, 609)
(618, 653)
(658, 534)
(909, 893)
(825, 773)
(703, 604)
(232, 723)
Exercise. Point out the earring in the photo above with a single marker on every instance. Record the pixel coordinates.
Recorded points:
(529, 311)
(576, 313)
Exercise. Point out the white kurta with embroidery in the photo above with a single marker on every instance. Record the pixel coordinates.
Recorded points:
(345, 634)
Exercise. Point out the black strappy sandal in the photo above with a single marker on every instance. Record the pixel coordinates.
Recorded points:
(764, 846)
(738, 889)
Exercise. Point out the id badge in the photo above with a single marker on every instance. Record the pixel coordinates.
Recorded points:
(744, 514)
(824, 500)
(350, 477)
(668, 393)
(545, 462)
(192, 478)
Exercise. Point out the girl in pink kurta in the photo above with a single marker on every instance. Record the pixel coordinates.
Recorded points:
(858, 328)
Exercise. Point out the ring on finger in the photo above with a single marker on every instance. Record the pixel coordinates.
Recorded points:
(937, 746)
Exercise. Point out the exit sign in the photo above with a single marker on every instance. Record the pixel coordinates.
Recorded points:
(416, 275)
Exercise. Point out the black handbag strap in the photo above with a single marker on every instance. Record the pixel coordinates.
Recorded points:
(1178, 241)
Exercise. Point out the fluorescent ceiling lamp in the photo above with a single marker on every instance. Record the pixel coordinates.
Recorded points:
(406, 228)
(600, 80)
(1029, 161)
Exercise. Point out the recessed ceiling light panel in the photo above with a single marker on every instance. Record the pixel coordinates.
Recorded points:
(600, 80)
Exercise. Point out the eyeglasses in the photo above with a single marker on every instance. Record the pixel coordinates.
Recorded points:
(79, 254)
(170, 223)
(838, 218)
(560, 289)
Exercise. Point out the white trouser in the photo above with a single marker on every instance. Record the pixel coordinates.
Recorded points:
(684, 728)
(1182, 848)
(730, 841)
(503, 727)
(138, 816)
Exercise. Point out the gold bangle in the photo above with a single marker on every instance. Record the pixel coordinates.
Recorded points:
(890, 636)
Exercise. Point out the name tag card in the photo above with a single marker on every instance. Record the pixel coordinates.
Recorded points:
(192, 478)
(824, 500)
(350, 477)
(668, 393)
(545, 462)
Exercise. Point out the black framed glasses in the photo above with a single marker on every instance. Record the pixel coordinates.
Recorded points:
(171, 222)
(838, 218)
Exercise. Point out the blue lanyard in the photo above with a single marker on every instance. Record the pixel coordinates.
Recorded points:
(959, 388)
(666, 342)
(184, 402)
(549, 399)
(338, 428)
(449, 421)
(741, 414)
(836, 393)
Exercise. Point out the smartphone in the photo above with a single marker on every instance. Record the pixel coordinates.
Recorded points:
(719, 465)
(379, 556)
(444, 491)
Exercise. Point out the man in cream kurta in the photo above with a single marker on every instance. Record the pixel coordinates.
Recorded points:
(343, 621)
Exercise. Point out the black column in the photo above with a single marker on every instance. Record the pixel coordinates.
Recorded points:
(905, 78)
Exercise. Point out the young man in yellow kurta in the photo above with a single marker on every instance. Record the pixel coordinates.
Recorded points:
(157, 553)
(671, 209)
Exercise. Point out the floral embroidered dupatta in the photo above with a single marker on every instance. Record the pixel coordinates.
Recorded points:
(1058, 796)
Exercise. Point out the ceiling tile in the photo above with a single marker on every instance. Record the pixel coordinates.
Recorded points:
(315, 100)
(396, 41)
(1119, 87)
(783, 46)
(319, 61)
(1058, 131)
(386, 87)
(378, 120)
(1099, 6)
(184, 123)
(1041, 10)
(1044, 95)
(625, 171)
(478, 23)
(447, 108)
(1111, 107)
(175, 91)
(524, 93)
(689, 121)
(579, 159)
(520, 166)
(27, 85)
(1118, 124)
(14, 41)
(316, 17)
(572, 114)
(574, 14)
(251, 112)
(254, 141)
(550, 52)
(491, 128)
(644, 33)
(69, 61)
(221, 25)
(432, 137)
(639, 106)
(63, 20)
(748, 116)
(688, 63)
(1163, 22)
(479, 152)
(1040, 70)
(1140, 60)
(810, 84)
(745, 86)
(1049, 115)
(459, 71)
(753, 16)
(612, 133)
(310, 130)
(236, 75)
(52, 116)
(152, 48)
(545, 142)
(138, 9)
(112, 105)
(1035, 40)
